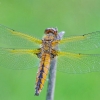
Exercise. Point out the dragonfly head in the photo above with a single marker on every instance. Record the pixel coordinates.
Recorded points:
(51, 30)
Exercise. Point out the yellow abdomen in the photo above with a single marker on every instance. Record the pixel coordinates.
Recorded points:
(42, 72)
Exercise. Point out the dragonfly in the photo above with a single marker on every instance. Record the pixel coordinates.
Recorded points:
(21, 51)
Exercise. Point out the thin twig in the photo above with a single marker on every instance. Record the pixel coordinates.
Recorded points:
(51, 82)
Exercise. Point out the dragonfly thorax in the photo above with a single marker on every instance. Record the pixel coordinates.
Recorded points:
(46, 46)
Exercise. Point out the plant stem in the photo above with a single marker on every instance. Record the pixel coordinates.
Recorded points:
(51, 82)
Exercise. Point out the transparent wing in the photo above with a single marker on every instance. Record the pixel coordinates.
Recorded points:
(78, 63)
(18, 58)
(82, 42)
(12, 39)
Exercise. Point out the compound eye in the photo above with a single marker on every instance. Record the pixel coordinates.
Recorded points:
(47, 31)
(51, 30)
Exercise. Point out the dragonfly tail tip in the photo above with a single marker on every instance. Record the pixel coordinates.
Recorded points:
(36, 94)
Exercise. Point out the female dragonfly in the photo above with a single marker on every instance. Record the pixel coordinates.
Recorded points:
(21, 51)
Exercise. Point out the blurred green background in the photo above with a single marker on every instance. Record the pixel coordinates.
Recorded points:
(75, 17)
